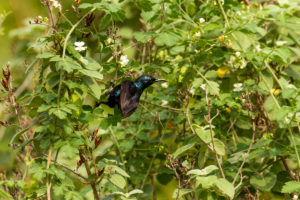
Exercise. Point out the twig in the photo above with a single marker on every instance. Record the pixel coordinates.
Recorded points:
(64, 52)
(48, 178)
(209, 120)
(241, 181)
(51, 14)
(88, 171)
(161, 106)
(252, 140)
(71, 170)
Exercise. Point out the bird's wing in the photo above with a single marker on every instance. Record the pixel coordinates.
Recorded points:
(127, 102)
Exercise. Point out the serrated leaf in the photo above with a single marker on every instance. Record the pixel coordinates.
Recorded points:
(182, 192)
(167, 38)
(45, 55)
(183, 149)
(220, 147)
(201, 172)
(213, 88)
(118, 180)
(206, 181)
(225, 187)
(135, 191)
(91, 73)
(290, 187)
(120, 171)
(93, 86)
(105, 21)
(203, 134)
(263, 182)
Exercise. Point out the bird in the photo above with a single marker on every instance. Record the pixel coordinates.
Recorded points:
(127, 94)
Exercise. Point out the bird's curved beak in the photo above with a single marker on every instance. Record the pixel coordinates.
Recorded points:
(161, 80)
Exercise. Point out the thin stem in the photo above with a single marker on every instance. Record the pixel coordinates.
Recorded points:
(88, 171)
(48, 178)
(120, 151)
(294, 145)
(223, 13)
(64, 52)
(161, 106)
(209, 120)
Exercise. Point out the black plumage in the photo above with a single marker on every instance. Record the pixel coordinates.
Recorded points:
(127, 95)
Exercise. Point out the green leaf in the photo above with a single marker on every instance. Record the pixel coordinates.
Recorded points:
(93, 86)
(119, 170)
(241, 41)
(183, 149)
(201, 172)
(220, 147)
(290, 187)
(135, 191)
(213, 88)
(225, 187)
(182, 192)
(266, 81)
(45, 55)
(167, 38)
(105, 21)
(91, 73)
(263, 182)
(269, 104)
(203, 134)
(118, 180)
(206, 182)
(90, 64)
(72, 195)
(127, 145)
(58, 113)
(145, 5)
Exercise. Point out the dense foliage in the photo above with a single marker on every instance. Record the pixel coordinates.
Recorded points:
(225, 126)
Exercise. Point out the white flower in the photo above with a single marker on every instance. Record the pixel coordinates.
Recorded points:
(239, 13)
(243, 64)
(109, 40)
(79, 46)
(201, 20)
(238, 87)
(238, 54)
(222, 2)
(286, 120)
(280, 43)
(257, 47)
(123, 60)
(203, 86)
(192, 90)
(165, 85)
(291, 86)
(164, 102)
(231, 60)
(243, 100)
(198, 34)
(291, 115)
(55, 4)
(295, 197)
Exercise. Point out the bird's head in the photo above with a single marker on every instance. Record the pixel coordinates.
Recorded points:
(145, 81)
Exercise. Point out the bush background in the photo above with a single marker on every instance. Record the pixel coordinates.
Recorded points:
(204, 49)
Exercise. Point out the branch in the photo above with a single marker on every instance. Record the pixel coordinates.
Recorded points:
(161, 106)
(73, 171)
(209, 120)
(252, 140)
